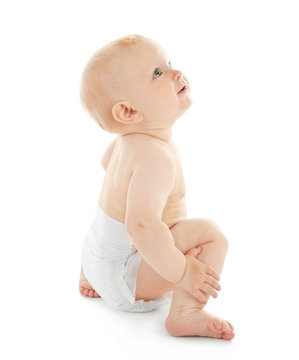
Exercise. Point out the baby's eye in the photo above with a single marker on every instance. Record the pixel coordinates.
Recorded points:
(157, 71)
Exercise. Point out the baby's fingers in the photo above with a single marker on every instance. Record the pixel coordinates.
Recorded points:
(209, 290)
(214, 283)
(200, 296)
(212, 272)
(194, 251)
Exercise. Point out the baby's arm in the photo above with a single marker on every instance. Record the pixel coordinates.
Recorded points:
(151, 183)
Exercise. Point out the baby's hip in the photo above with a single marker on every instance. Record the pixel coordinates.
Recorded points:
(106, 250)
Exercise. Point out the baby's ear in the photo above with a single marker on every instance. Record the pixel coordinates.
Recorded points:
(123, 112)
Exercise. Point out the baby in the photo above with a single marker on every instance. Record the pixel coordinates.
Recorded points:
(141, 250)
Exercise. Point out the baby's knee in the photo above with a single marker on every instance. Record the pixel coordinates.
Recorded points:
(222, 239)
(213, 225)
(218, 234)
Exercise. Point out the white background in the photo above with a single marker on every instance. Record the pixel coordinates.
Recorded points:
(239, 149)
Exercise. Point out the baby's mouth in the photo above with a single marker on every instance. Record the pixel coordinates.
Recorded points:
(183, 89)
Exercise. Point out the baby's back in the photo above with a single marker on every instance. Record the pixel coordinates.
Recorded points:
(128, 150)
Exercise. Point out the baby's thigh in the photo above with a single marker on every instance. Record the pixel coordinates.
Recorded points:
(149, 284)
(190, 233)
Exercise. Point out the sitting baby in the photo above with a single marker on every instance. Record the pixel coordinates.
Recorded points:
(140, 250)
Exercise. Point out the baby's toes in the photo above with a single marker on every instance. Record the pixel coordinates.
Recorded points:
(228, 336)
(82, 290)
(228, 333)
(89, 292)
(222, 326)
(218, 324)
(86, 292)
(231, 326)
(92, 293)
(226, 328)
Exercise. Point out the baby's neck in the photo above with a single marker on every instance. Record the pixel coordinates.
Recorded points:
(161, 134)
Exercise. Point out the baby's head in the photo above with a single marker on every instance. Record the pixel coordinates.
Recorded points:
(129, 85)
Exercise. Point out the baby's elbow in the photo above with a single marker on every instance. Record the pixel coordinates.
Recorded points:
(138, 225)
(132, 228)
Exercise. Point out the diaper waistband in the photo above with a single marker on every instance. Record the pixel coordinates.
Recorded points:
(104, 225)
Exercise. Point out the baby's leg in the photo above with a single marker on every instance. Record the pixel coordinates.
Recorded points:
(84, 286)
(186, 316)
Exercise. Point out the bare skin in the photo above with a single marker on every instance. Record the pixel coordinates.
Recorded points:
(151, 109)
(186, 316)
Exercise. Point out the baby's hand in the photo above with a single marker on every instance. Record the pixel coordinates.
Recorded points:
(194, 251)
(199, 279)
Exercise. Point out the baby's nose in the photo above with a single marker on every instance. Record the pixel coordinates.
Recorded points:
(177, 74)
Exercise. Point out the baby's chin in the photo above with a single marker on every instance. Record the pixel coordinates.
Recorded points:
(188, 101)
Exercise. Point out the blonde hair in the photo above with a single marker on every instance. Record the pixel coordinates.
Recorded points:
(98, 72)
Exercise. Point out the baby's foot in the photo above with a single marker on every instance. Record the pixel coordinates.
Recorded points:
(198, 322)
(85, 287)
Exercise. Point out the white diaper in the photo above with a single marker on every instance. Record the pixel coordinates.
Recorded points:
(110, 263)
